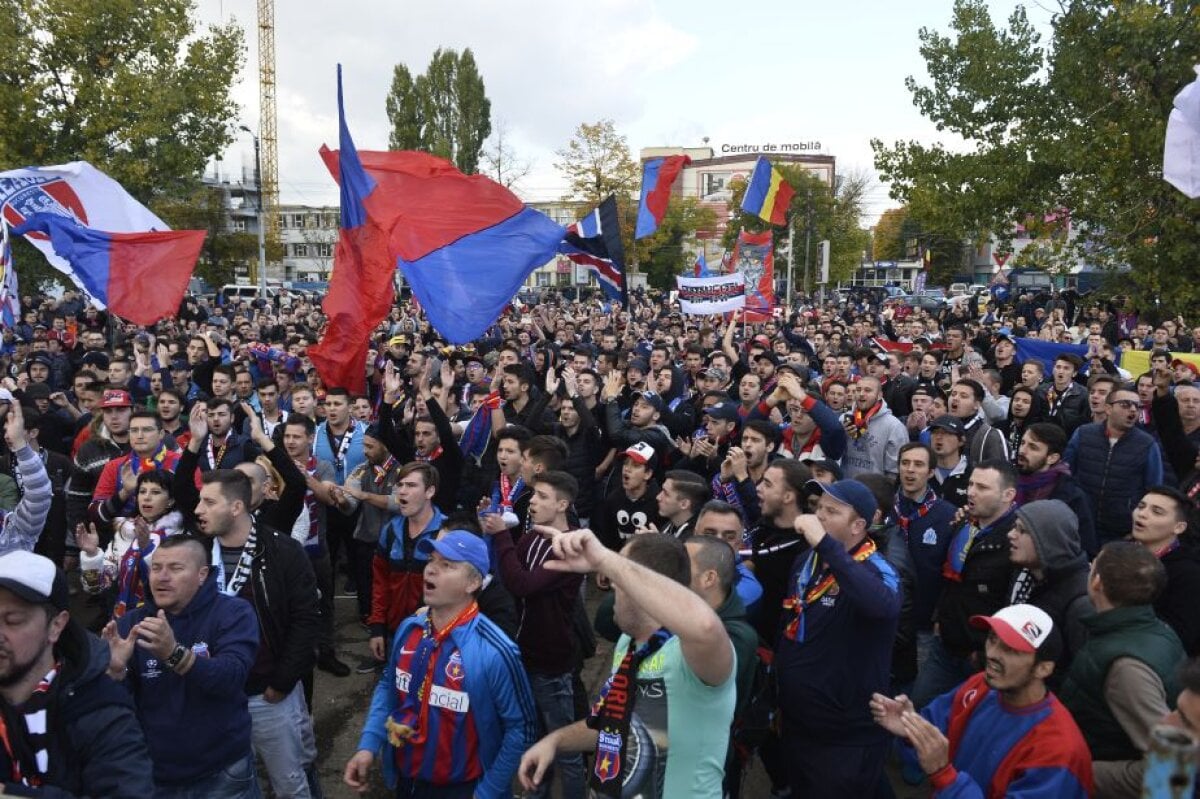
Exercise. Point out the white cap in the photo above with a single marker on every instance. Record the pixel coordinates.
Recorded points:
(1023, 627)
(641, 452)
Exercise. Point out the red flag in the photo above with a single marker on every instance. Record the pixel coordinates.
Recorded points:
(754, 256)
(360, 289)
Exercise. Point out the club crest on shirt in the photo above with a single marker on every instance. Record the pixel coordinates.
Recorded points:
(929, 537)
(454, 668)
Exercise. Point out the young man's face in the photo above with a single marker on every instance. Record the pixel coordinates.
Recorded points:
(508, 456)
(544, 504)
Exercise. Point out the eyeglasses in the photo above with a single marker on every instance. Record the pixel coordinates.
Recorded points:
(1126, 404)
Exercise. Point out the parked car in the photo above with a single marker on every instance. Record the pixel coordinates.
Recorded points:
(930, 300)
(958, 290)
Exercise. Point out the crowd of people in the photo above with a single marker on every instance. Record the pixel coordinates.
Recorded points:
(857, 545)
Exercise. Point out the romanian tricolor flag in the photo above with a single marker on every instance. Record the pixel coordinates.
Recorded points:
(767, 195)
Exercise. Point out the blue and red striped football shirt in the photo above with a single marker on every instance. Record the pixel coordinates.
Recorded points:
(449, 751)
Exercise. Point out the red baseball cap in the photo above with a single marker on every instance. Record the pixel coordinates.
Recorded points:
(116, 398)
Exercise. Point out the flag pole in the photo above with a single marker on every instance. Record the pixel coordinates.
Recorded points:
(791, 261)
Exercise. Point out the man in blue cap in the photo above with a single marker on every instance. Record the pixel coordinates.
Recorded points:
(836, 648)
(453, 712)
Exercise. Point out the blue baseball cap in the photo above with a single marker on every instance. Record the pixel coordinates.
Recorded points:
(848, 492)
(458, 546)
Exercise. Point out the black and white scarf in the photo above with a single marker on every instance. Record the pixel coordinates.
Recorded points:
(241, 573)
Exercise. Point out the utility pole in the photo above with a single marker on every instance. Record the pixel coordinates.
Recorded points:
(808, 241)
(262, 218)
(791, 220)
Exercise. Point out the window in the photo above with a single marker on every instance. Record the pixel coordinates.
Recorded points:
(323, 250)
(543, 279)
(300, 250)
(238, 226)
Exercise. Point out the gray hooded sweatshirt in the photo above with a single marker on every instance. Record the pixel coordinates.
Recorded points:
(1062, 589)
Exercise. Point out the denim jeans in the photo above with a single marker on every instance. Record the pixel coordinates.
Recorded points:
(942, 671)
(555, 702)
(283, 738)
(238, 780)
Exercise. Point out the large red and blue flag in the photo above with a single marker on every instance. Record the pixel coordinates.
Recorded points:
(360, 289)
(76, 191)
(464, 243)
(595, 242)
(141, 277)
(658, 175)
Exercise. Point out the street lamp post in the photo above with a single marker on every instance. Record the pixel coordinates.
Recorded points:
(262, 220)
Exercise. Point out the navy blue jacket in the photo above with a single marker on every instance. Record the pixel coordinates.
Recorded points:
(1113, 477)
(207, 706)
(927, 540)
(826, 680)
(96, 745)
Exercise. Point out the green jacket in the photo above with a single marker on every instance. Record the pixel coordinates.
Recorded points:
(1122, 632)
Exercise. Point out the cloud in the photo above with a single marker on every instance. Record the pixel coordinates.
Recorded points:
(546, 69)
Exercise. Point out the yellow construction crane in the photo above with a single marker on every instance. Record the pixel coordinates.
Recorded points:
(267, 128)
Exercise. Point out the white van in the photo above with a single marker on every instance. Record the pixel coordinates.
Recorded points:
(234, 291)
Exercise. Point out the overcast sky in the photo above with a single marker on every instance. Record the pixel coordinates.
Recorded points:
(667, 72)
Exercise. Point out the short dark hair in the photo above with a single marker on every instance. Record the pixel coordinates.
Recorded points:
(883, 488)
(917, 445)
(1071, 358)
(337, 391)
(690, 486)
(162, 479)
(1050, 434)
(310, 427)
(549, 451)
(462, 520)
(225, 369)
(663, 554)
(219, 402)
(975, 386)
(1182, 503)
(235, 485)
(1130, 573)
(765, 429)
(173, 393)
(713, 553)
(517, 433)
(519, 371)
(192, 542)
(1008, 475)
(795, 476)
(719, 507)
(1103, 377)
(266, 382)
(564, 484)
(142, 413)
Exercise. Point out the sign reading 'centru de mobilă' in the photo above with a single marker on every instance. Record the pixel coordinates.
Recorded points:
(771, 147)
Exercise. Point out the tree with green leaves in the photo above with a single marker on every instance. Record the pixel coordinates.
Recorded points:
(1073, 127)
(835, 214)
(139, 90)
(597, 162)
(224, 249)
(136, 89)
(444, 111)
(664, 254)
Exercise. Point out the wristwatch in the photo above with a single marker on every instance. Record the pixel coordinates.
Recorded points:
(176, 657)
